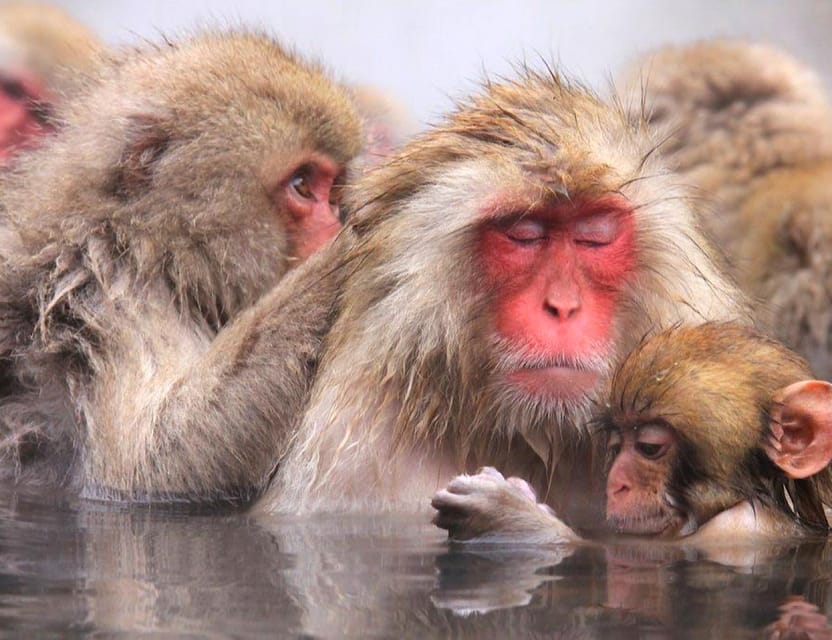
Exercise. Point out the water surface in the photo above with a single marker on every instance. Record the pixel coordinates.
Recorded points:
(73, 568)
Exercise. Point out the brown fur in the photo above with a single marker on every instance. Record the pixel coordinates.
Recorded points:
(135, 249)
(714, 386)
(404, 394)
(752, 128)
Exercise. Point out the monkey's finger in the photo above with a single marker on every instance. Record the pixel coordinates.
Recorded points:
(454, 521)
(444, 500)
(490, 472)
(449, 521)
(523, 487)
(465, 484)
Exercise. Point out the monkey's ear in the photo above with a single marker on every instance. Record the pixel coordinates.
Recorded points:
(800, 428)
(146, 141)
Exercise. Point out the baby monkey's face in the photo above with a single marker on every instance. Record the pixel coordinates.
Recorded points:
(642, 459)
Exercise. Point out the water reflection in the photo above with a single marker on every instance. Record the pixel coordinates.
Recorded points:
(72, 568)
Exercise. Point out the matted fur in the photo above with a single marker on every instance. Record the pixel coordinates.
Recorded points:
(405, 395)
(130, 246)
(751, 127)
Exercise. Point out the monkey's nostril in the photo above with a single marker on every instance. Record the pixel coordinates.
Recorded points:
(619, 491)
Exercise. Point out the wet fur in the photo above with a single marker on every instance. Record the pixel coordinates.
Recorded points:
(137, 251)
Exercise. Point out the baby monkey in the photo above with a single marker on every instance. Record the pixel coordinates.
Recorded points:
(710, 431)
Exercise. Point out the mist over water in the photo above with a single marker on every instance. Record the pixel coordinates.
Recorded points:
(76, 568)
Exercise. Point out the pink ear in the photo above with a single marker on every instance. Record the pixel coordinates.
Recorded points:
(800, 438)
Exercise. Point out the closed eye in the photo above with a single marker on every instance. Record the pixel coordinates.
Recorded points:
(597, 230)
(526, 231)
(591, 244)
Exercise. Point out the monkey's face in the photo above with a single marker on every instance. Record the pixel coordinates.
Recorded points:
(557, 272)
(21, 114)
(638, 497)
(309, 192)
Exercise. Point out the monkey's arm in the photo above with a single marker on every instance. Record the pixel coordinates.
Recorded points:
(487, 507)
(175, 417)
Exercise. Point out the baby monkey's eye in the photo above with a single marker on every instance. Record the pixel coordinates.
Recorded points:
(650, 449)
(654, 440)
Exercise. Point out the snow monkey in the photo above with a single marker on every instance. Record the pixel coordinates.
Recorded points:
(751, 127)
(711, 431)
(185, 180)
(41, 48)
(387, 123)
(495, 272)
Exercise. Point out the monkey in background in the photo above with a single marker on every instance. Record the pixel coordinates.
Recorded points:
(41, 49)
(387, 124)
(186, 179)
(751, 127)
(712, 431)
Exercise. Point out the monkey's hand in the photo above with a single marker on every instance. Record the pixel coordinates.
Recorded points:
(487, 507)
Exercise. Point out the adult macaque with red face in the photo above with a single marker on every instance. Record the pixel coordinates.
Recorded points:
(711, 431)
(495, 271)
(41, 48)
(557, 272)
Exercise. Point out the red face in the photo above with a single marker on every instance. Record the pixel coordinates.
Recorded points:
(310, 196)
(20, 124)
(557, 273)
(638, 480)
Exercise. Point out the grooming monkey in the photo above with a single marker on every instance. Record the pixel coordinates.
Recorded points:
(186, 180)
(752, 128)
(41, 48)
(713, 431)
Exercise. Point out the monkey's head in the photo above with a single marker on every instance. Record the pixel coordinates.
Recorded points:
(729, 89)
(508, 258)
(703, 418)
(215, 162)
(41, 46)
(387, 124)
